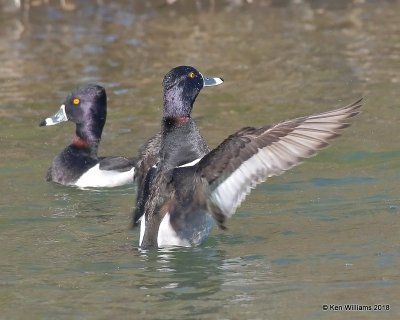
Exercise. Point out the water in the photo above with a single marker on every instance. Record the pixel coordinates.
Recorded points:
(326, 232)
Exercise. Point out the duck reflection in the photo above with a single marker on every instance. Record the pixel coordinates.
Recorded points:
(197, 274)
(186, 273)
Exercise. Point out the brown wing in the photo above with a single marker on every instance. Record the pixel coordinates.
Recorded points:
(251, 155)
(148, 157)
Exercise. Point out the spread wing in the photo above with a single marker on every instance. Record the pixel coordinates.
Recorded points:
(251, 155)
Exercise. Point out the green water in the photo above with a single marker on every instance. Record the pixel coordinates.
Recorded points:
(327, 232)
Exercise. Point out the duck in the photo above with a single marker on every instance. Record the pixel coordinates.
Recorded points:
(149, 153)
(78, 164)
(186, 196)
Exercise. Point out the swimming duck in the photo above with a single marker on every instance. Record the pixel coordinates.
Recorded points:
(185, 197)
(181, 87)
(78, 164)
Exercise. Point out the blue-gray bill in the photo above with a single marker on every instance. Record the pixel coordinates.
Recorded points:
(209, 82)
(60, 116)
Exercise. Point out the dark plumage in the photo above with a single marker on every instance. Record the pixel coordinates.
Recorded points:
(181, 87)
(184, 200)
(78, 164)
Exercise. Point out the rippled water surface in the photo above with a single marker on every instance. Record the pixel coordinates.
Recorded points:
(327, 232)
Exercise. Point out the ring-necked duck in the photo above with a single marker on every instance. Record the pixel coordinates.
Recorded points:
(78, 164)
(181, 87)
(185, 196)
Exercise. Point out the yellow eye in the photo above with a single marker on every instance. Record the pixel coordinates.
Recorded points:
(76, 101)
(191, 75)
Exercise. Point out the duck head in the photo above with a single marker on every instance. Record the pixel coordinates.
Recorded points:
(86, 106)
(181, 87)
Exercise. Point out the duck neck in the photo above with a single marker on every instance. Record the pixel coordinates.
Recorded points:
(169, 123)
(87, 137)
(177, 104)
(181, 142)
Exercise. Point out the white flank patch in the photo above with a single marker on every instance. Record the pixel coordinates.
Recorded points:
(189, 164)
(167, 236)
(142, 229)
(95, 177)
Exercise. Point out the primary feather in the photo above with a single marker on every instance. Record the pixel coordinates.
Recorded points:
(251, 155)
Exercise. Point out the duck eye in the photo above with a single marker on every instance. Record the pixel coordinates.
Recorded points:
(191, 75)
(76, 101)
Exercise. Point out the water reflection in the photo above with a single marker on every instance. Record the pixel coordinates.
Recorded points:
(84, 203)
(188, 272)
(118, 30)
(206, 277)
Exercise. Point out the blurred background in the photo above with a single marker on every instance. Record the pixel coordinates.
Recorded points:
(326, 232)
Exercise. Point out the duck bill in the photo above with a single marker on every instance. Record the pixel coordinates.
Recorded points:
(209, 82)
(60, 116)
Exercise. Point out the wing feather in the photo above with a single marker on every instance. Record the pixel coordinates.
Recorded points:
(251, 155)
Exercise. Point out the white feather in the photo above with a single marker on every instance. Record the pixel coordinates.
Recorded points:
(142, 229)
(95, 177)
(167, 236)
(229, 194)
(190, 164)
(303, 142)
